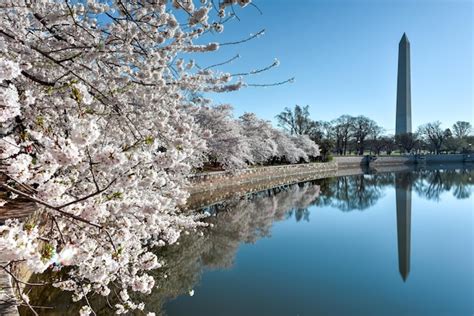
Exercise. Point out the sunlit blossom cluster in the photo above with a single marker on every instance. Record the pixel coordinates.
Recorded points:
(248, 140)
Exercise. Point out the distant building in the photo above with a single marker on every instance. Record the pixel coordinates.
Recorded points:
(403, 117)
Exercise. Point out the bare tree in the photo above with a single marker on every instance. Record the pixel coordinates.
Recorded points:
(389, 144)
(342, 128)
(462, 129)
(296, 121)
(434, 135)
(375, 139)
(407, 141)
(322, 134)
(320, 130)
(362, 127)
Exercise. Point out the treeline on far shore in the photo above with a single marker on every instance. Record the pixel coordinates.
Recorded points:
(360, 135)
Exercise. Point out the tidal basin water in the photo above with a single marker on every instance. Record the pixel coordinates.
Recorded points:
(398, 243)
(373, 244)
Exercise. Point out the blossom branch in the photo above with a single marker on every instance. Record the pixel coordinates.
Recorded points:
(251, 37)
(270, 84)
(223, 63)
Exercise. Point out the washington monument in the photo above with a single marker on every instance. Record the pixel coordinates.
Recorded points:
(403, 118)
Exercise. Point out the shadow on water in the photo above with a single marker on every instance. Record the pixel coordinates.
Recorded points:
(250, 218)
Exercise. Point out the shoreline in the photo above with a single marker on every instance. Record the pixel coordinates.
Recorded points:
(209, 188)
(216, 186)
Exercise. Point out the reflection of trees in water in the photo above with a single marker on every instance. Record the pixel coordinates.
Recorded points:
(360, 192)
(300, 214)
(250, 218)
(240, 220)
(353, 192)
(235, 221)
(430, 184)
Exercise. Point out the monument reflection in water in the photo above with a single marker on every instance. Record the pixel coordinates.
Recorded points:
(325, 241)
(403, 183)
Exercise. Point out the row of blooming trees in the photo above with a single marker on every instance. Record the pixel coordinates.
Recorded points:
(248, 140)
(95, 130)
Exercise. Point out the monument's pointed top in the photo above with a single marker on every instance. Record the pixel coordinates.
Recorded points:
(404, 38)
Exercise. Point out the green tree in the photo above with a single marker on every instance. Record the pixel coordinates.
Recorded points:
(452, 144)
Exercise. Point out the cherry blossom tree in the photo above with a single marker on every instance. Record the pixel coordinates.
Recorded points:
(287, 151)
(309, 148)
(227, 146)
(259, 137)
(94, 132)
(235, 144)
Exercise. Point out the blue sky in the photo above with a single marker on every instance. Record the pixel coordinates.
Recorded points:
(343, 54)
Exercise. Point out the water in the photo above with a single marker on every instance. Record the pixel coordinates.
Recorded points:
(368, 244)
(381, 244)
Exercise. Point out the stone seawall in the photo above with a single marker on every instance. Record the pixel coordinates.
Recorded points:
(344, 162)
(349, 162)
(212, 187)
(400, 160)
(449, 158)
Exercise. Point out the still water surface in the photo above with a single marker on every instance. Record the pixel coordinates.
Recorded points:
(369, 244)
(373, 244)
